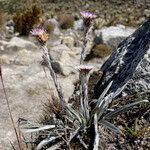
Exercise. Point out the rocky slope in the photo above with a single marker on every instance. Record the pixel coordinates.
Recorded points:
(130, 13)
(23, 75)
(24, 78)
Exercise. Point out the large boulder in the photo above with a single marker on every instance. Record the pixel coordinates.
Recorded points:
(112, 35)
(129, 64)
(105, 40)
(15, 44)
(78, 25)
(68, 41)
(19, 51)
(54, 22)
(26, 57)
(140, 82)
(64, 59)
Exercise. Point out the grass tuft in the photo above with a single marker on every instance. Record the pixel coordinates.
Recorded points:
(24, 21)
(66, 21)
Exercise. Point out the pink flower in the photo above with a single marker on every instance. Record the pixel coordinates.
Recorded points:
(40, 34)
(87, 18)
(37, 31)
(88, 15)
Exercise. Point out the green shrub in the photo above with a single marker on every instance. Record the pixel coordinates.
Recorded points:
(66, 21)
(25, 21)
(2, 16)
(101, 50)
(48, 26)
(15, 5)
(135, 131)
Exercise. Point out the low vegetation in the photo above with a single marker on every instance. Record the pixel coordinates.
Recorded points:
(66, 21)
(24, 21)
(63, 125)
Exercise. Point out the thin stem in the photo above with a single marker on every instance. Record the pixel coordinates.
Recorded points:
(10, 114)
(84, 44)
(84, 95)
(46, 77)
(81, 100)
(96, 141)
(47, 58)
(86, 99)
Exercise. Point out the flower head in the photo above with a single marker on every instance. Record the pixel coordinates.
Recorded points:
(37, 31)
(85, 68)
(40, 34)
(87, 18)
(88, 15)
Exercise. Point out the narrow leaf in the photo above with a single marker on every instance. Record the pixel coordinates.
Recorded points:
(101, 101)
(103, 106)
(103, 94)
(71, 120)
(96, 140)
(73, 135)
(122, 109)
(46, 127)
(110, 126)
(82, 142)
(55, 147)
(76, 114)
(45, 142)
(118, 91)
(106, 90)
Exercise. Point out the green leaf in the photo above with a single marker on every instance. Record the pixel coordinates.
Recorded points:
(45, 142)
(73, 135)
(108, 99)
(55, 147)
(99, 109)
(76, 115)
(104, 105)
(110, 126)
(122, 109)
(99, 101)
(119, 90)
(46, 127)
(96, 140)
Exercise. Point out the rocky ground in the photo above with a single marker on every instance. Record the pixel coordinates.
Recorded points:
(112, 12)
(27, 85)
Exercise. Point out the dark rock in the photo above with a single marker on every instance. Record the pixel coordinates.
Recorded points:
(56, 67)
(130, 61)
(140, 81)
(98, 39)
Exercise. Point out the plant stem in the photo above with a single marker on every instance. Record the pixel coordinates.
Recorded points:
(10, 114)
(84, 95)
(47, 58)
(84, 44)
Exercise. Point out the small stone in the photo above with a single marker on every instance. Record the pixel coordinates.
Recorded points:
(78, 25)
(17, 43)
(4, 59)
(2, 48)
(26, 57)
(68, 41)
(114, 35)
